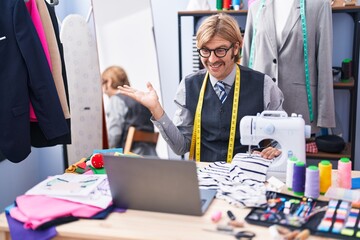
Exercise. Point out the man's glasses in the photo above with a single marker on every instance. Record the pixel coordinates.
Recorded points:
(219, 52)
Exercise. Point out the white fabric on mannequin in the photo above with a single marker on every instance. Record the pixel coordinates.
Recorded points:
(281, 14)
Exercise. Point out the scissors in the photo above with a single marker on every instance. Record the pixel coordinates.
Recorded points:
(244, 235)
(238, 235)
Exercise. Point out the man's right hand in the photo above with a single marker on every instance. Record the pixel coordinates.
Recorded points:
(149, 99)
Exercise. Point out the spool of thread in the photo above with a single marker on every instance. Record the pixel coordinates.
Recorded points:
(219, 4)
(344, 173)
(325, 168)
(236, 4)
(226, 4)
(312, 182)
(290, 171)
(298, 184)
(346, 69)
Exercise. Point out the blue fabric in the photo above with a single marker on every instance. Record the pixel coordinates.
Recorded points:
(18, 232)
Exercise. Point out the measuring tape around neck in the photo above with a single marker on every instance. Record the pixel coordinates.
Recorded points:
(196, 136)
(305, 47)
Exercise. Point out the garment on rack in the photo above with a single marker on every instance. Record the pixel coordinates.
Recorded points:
(25, 76)
(55, 24)
(35, 17)
(54, 54)
(52, 38)
(284, 61)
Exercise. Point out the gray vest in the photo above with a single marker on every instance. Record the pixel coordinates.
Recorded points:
(216, 117)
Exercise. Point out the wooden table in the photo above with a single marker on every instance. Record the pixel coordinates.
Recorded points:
(135, 224)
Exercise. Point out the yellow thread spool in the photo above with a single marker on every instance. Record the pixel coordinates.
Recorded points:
(325, 168)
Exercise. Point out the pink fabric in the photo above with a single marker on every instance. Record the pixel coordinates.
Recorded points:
(35, 17)
(35, 210)
(250, 2)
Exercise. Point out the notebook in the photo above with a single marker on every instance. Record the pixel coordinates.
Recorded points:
(160, 185)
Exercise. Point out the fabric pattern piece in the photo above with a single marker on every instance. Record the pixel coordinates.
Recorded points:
(233, 184)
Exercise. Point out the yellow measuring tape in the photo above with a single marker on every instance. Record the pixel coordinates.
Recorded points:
(196, 135)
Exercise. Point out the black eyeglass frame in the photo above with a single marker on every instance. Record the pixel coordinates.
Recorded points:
(214, 50)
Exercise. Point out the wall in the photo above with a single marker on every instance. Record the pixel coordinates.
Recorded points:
(17, 178)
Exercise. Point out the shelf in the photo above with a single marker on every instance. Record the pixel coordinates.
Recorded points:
(210, 12)
(331, 156)
(335, 9)
(345, 85)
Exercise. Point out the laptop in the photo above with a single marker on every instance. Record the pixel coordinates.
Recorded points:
(153, 184)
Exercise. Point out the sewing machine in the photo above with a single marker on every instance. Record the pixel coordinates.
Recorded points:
(289, 132)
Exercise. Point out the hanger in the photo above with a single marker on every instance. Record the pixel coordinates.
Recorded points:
(52, 2)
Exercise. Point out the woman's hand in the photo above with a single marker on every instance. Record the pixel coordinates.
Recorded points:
(149, 99)
(269, 153)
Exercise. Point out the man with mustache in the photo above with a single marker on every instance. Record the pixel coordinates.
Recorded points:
(211, 102)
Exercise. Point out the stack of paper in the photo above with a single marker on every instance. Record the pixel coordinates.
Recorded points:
(83, 188)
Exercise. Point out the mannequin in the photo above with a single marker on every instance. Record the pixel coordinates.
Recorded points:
(278, 51)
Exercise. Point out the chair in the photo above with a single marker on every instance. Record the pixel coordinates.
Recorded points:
(139, 136)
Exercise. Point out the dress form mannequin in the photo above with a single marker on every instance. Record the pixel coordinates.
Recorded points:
(279, 53)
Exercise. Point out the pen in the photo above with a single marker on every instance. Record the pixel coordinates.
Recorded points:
(62, 180)
(231, 215)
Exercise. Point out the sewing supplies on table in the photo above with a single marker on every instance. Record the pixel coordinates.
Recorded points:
(231, 226)
(238, 235)
(312, 182)
(298, 181)
(290, 171)
(325, 168)
(233, 221)
(344, 173)
(341, 219)
(279, 232)
(215, 217)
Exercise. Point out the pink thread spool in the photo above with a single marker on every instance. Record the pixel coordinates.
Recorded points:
(344, 173)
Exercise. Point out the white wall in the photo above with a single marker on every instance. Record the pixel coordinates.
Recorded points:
(17, 178)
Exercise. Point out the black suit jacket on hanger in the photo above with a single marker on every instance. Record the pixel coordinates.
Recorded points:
(24, 75)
